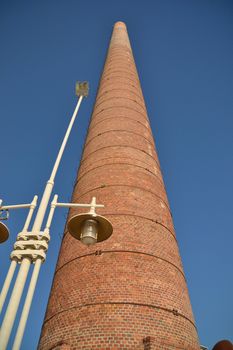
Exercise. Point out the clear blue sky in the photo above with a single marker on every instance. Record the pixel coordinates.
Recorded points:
(184, 54)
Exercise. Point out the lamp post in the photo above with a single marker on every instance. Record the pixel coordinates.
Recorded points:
(31, 247)
(4, 234)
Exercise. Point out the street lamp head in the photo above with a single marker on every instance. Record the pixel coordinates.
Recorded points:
(90, 228)
(4, 232)
(223, 345)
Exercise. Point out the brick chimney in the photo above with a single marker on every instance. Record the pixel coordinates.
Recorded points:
(128, 292)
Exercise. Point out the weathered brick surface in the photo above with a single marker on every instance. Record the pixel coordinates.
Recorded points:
(128, 292)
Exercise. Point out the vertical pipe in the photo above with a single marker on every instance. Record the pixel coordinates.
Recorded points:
(13, 264)
(30, 213)
(93, 205)
(32, 286)
(64, 142)
(27, 305)
(14, 303)
(7, 283)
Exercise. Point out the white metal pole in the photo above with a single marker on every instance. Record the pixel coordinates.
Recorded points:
(14, 303)
(49, 186)
(27, 305)
(13, 264)
(32, 286)
(60, 153)
(7, 283)
(30, 213)
(24, 268)
(78, 205)
(15, 206)
(93, 205)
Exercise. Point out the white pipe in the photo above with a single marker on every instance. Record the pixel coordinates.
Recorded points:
(77, 205)
(13, 264)
(60, 153)
(49, 186)
(51, 212)
(93, 205)
(32, 286)
(27, 305)
(16, 206)
(13, 304)
(23, 271)
(7, 283)
(30, 213)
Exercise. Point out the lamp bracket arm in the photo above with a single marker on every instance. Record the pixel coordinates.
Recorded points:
(78, 205)
(15, 206)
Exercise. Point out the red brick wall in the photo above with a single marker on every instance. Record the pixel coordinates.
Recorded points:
(128, 292)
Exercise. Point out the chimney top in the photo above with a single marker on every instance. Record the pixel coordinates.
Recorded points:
(120, 36)
(120, 24)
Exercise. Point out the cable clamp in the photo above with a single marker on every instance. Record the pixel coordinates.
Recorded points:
(31, 244)
(32, 254)
(37, 235)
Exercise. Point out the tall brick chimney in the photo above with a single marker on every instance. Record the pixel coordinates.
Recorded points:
(128, 292)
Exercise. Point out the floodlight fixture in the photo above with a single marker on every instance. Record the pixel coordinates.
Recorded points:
(82, 88)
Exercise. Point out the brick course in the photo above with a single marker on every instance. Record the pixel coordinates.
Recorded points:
(128, 292)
